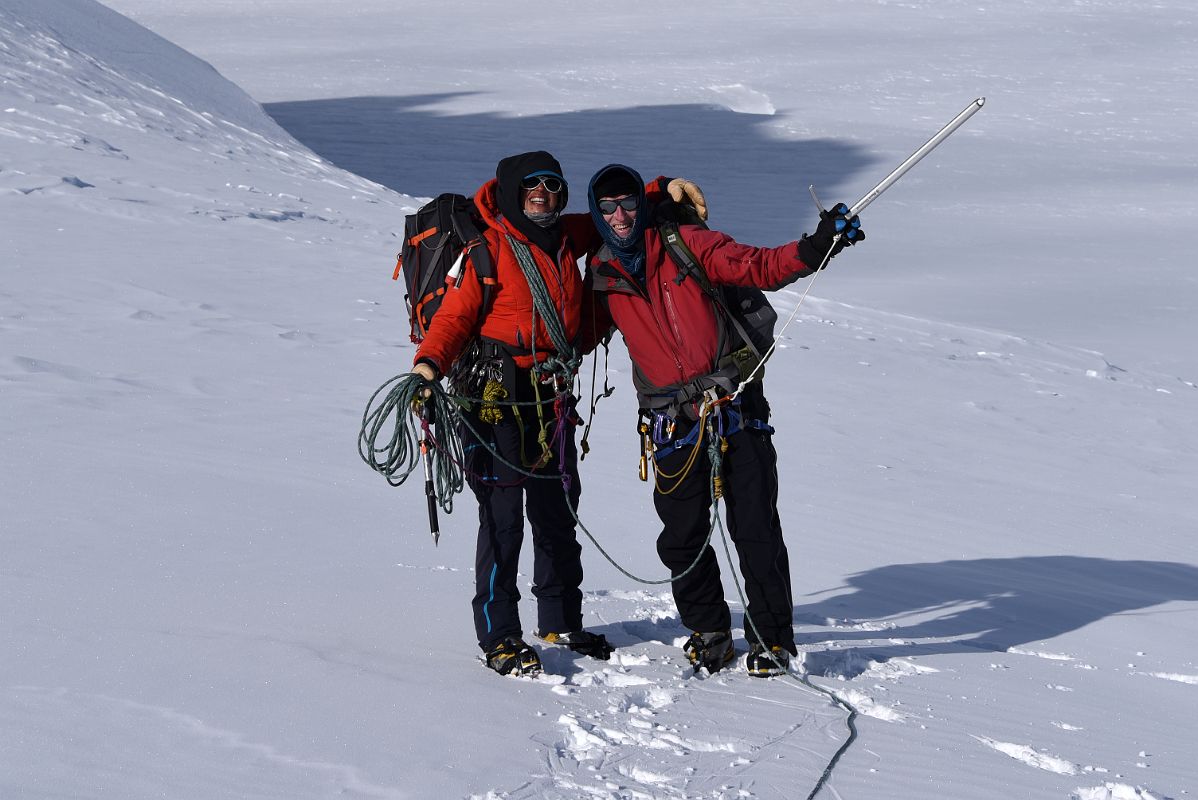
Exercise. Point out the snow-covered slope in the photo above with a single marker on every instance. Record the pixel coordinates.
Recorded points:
(204, 594)
(171, 257)
(88, 59)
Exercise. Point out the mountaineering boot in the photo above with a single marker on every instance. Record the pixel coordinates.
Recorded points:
(512, 656)
(710, 651)
(766, 662)
(590, 644)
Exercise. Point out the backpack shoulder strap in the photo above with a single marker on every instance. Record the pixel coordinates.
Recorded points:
(476, 249)
(688, 265)
(684, 259)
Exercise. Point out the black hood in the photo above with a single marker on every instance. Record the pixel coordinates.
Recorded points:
(612, 180)
(509, 173)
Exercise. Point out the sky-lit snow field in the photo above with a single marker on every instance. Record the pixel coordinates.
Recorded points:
(987, 414)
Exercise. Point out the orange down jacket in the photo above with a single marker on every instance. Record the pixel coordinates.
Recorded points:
(509, 320)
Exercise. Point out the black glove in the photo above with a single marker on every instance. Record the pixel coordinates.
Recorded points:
(590, 644)
(813, 247)
(593, 645)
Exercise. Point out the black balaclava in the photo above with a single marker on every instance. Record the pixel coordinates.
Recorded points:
(614, 180)
(509, 173)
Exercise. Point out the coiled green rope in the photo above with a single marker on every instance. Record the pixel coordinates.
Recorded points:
(399, 455)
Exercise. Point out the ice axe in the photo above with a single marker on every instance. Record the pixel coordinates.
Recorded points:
(426, 453)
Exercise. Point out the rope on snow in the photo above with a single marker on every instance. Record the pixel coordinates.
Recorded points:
(399, 456)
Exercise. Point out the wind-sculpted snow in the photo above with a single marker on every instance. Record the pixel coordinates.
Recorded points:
(87, 92)
(1114, 791)
(204, 593)
(644, 725)
(56, 50)
(127, 744)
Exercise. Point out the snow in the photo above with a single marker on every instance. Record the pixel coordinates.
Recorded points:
(986, 413)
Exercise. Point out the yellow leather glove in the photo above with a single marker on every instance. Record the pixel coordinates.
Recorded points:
(428, 373)
(683, 191)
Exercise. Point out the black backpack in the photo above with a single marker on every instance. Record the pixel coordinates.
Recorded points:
(746, 308)
(437, 241)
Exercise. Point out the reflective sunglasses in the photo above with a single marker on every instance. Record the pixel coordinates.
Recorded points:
(552, 183)
(610, 206)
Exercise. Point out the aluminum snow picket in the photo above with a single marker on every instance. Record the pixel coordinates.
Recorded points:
(902, 168)
(858, 207)
(911, 161)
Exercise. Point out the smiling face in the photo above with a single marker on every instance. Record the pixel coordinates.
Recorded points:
(539, 200)
(621, 218)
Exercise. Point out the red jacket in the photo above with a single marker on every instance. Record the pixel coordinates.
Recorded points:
(672, 329)
(509, 320)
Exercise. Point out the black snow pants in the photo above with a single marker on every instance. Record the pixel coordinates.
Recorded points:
(750, 479)
(503, 495)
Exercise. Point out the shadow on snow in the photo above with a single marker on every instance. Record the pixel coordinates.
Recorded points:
(987, 605)
(756, 182)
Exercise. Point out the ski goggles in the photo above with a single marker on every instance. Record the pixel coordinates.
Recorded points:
(607, 206)
(552, 183)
